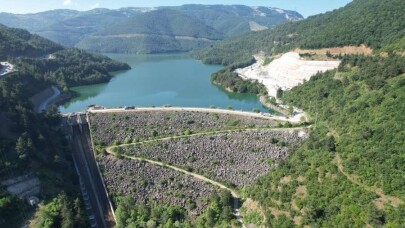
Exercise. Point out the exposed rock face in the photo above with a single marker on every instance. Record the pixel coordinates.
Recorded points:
(285, 72)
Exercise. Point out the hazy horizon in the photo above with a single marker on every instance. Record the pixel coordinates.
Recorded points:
(306, 8)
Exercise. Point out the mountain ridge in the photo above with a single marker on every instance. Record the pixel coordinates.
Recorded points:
(355, 24)
(79, 28)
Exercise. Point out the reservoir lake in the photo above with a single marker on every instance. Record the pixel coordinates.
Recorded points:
(158, 80)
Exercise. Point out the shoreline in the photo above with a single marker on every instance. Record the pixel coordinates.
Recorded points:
(276, 108)
(262, 100)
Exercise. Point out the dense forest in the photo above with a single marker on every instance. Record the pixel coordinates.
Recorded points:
(33, 143)
(359, 113)
(30, 143)
(71, 67)
(377, 24)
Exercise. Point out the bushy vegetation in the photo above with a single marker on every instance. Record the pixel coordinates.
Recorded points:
(359, 117)
(377, 24)
(60, 212)
(217, 214)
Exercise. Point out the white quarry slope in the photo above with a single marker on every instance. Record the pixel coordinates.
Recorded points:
(285, 72)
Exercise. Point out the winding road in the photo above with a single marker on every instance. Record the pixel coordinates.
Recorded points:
(45, 103)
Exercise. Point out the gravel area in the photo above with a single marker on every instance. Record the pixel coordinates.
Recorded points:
(151, 183)
(110, 127)
(238, 158)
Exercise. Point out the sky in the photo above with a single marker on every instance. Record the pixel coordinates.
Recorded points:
(305, 7)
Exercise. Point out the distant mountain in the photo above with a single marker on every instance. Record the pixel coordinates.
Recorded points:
(162, 30)
(238, 19)
(148, 30)
(377, 24)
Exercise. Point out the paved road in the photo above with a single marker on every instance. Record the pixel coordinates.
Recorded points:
(45, 103)
(205, 110)
(90, 176)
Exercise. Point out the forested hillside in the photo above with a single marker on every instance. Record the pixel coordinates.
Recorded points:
(350, 173)
(33, 143)
(377, 24)
(148, 30)
(163, 22)
(163, 30)
(351, 170)
(18, 42)
(71, 67)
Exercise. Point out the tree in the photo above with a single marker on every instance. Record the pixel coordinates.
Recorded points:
(151, 224)
(375, 216)
(24, 147)
(280, 93)
(331, 144)
(211, 217)
(65, 212)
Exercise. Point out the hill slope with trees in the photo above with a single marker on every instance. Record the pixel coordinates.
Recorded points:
(32, 142)
(19, 42)
(351, 170)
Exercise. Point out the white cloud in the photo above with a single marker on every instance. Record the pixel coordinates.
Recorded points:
(95, 5)
(67, 2)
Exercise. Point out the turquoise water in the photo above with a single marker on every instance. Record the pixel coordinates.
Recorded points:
(157, 80)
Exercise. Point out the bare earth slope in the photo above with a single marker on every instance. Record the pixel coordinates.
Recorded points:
(285, 72)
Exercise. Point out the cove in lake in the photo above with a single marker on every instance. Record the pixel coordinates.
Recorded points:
(157, 80)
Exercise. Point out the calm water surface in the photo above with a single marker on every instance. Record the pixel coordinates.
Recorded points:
(157, 80)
